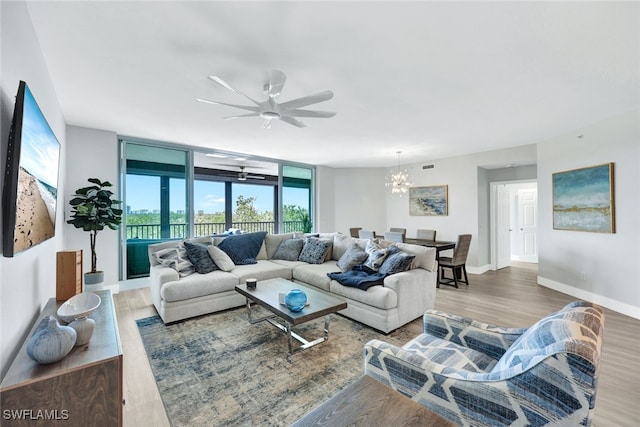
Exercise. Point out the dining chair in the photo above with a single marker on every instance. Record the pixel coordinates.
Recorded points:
(457, 263)
(366, 234)
(424, 234)
(393, 236)
(400, 230)
(354, 231)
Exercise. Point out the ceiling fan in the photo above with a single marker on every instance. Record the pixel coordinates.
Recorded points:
(270, 109)
(242, 175)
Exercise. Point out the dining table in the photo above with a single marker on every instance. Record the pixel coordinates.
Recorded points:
(439, 245)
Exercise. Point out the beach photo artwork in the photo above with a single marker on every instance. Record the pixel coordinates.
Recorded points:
(583, 199)
(37, 179)
(428, 200)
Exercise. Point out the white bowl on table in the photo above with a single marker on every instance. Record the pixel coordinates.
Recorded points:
(80, 305)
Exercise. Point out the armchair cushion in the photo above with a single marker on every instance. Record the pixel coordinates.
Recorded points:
(450, 355)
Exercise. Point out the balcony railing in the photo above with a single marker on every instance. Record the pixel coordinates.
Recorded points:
(179, 231)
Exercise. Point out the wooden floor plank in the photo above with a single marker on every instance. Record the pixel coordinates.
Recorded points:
(508, 297)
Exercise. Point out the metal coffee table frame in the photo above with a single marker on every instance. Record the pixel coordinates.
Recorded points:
(266, 295)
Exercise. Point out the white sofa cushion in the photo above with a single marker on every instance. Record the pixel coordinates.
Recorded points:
(263, 270)
(315, 274)
(376, 296)
(289, 264)
(341, 243)
(197, 285)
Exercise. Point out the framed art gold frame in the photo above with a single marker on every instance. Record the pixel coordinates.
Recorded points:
(583, 199)
(429, 201)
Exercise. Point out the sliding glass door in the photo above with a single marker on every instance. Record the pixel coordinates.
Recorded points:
(155, 191)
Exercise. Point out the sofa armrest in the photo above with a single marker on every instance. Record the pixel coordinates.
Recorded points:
(161, 274)
(489, 339)
(158, 276)
(416, 291)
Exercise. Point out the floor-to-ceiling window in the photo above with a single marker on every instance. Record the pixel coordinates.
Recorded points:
(297, 198)
(176, 193)
(155, 191)
(209, 206)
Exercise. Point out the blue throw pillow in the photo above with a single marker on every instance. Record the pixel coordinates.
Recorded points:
(199, 256)
(315, 250)
(243, 248)
(396, 263)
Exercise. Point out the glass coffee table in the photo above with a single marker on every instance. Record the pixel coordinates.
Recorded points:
(320, 303)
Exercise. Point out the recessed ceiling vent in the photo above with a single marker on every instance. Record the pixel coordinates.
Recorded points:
(427, 167)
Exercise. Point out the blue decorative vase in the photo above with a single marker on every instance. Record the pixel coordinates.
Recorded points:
(295, 300)
(52, 342)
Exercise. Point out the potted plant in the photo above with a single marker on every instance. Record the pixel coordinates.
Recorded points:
(93, 209)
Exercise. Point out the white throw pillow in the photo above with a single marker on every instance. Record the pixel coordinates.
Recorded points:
(220, 258)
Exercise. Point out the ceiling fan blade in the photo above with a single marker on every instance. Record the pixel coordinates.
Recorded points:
(310, 113)
(232, 89)
(292, 121)
(306, 100)
(254, 176)
(241, 115)
(243, 107)
(276, 83)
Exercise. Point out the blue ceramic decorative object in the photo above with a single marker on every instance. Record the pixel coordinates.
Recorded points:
(295, 300)
(51, 343)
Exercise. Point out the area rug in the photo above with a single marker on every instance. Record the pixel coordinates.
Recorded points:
(219, 370)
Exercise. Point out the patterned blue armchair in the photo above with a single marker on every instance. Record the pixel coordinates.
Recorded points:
(476, 374)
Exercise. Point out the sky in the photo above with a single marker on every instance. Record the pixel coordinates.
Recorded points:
(40, 150)
(143, 193)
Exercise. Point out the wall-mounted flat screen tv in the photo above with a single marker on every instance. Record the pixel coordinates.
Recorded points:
(30, 190)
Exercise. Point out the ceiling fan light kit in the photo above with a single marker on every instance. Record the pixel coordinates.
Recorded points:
(270, 109)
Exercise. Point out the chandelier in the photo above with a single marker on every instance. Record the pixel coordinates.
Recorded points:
(398, 182)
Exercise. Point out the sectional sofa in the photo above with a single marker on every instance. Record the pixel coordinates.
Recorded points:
(403, 297)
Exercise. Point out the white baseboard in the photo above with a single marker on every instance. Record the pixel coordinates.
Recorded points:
(143, 282)
(478, 270)
(525, 258)
(620, 307)
(115, 287)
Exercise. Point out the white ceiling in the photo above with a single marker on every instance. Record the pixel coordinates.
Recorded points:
(433, 79)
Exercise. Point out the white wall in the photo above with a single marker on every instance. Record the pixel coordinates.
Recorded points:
(93, 153)
(360, 201)
(325, 202)
(28, 280)
(467, 198)
(610, 261)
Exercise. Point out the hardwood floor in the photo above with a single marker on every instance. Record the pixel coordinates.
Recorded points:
(508, 297)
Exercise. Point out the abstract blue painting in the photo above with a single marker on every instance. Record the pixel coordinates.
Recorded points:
(583, 199)
(428, 200)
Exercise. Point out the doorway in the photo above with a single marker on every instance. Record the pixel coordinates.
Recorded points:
(514, 220)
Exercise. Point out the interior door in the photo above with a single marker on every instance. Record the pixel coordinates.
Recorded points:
(503, 227)
(528, 227)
